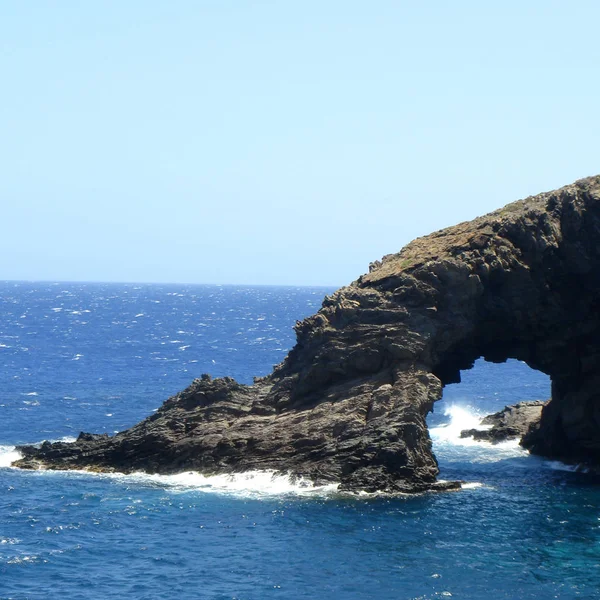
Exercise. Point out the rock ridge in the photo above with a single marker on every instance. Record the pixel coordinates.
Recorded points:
(350, 400)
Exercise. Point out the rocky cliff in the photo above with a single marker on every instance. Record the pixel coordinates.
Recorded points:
(350, 400)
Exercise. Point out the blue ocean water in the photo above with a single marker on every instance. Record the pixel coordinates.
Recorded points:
(100, 357)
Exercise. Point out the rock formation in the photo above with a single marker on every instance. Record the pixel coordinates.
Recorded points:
(509, 423)
(350, 400)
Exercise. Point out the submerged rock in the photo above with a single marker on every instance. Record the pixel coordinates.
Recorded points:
(511, 422)
(349, 402)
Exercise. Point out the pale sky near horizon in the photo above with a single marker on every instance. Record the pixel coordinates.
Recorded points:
(263, 142)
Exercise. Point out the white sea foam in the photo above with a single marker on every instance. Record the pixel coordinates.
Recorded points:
(17, 560)
(471, 485)
(8, 455)
(460, 418)
(449, 443)
(253, 484)
(556, 465)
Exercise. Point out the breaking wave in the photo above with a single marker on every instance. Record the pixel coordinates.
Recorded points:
(251, 484)
(8, 455)
(450, 446)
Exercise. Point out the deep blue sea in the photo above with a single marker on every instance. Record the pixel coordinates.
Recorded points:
(100, 357)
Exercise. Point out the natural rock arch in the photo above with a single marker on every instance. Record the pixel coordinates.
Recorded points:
(349, 402)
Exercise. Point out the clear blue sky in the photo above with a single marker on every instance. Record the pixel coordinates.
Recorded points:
(277, 142)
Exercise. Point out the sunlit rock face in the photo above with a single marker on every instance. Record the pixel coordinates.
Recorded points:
(349, 402)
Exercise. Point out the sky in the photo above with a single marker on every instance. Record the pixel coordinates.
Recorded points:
(278, 142)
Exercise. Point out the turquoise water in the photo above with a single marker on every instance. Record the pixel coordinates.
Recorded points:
(101, 357)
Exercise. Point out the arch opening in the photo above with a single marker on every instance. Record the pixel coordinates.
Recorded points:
(485, 389)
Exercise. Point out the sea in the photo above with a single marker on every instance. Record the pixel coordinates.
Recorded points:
(100, 357)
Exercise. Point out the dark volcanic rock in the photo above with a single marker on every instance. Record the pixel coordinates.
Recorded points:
(509, 423)
(349, 402)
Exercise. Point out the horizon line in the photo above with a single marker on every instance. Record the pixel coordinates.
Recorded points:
(104, 282)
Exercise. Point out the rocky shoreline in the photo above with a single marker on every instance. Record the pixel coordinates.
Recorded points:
(512, 422)
(349, 402)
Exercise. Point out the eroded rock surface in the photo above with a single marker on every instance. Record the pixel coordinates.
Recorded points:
(510, 423)
(349, 402)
